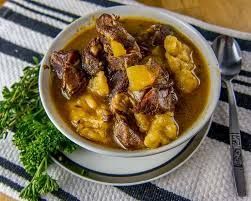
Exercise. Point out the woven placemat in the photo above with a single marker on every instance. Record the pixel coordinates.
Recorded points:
(28, 27)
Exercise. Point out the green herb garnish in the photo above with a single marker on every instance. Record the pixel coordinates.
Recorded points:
(21, 112)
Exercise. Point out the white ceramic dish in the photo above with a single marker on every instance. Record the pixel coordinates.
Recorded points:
(131, 11)
(122, 171)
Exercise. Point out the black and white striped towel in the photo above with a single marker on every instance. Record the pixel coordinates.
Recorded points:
(27, 28)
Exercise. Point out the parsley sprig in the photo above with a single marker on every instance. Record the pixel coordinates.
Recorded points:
(21, 112)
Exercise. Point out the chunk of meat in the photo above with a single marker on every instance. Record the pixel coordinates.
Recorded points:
(157, 101)
(162, 76)
(160, 96)
(126, 133)
(118, 81)
(137, 95)
(110, 29)
(67, 65)
(153, 36)
(92, 57)
(120, 103)
(122, 62)
(157, 33)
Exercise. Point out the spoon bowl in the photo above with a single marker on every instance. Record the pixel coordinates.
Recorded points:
(229, 56)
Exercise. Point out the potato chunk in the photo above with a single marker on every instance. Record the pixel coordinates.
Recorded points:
(118, 49)
(90, 117)
(90, 101)
(162, 131)
(139, 76)
(172, 45)
(99, 85)
(187, 81)
(96, 135)
(181, 64)
(143, 121)
(176, 64)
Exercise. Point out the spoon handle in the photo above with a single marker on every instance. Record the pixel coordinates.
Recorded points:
(235, 143)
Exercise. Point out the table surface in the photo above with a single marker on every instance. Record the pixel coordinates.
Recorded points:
(2, 196)
(226, 13)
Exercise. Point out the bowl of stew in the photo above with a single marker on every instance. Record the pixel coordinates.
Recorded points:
(129, 81)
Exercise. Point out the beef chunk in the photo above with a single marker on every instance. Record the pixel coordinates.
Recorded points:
(157, 101)
(120, 103)
(126, 133)
(118, 81)
(110, 29)
(92, 57)
(67, 66)
(122, 62)
(153, 36)
(137, 95)
(157, 33)
(158, 98)
(160, 70)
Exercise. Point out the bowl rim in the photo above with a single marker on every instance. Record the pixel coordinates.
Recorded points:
(148, 12)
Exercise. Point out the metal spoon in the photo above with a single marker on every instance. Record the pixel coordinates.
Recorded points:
(228, 54)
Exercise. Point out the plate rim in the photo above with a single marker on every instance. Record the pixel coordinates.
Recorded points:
(85, 176)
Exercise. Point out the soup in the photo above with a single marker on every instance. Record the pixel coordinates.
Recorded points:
(130, 83)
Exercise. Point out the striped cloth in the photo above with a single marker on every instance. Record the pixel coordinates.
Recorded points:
(28, 27)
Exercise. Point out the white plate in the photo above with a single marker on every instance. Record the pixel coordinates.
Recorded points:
(128, 171)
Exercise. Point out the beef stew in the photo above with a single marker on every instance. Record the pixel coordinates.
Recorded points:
(132, 84)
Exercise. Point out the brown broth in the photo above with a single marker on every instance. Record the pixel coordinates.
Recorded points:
(189, 107)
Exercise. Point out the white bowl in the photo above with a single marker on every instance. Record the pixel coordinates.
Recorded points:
(129, 11)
